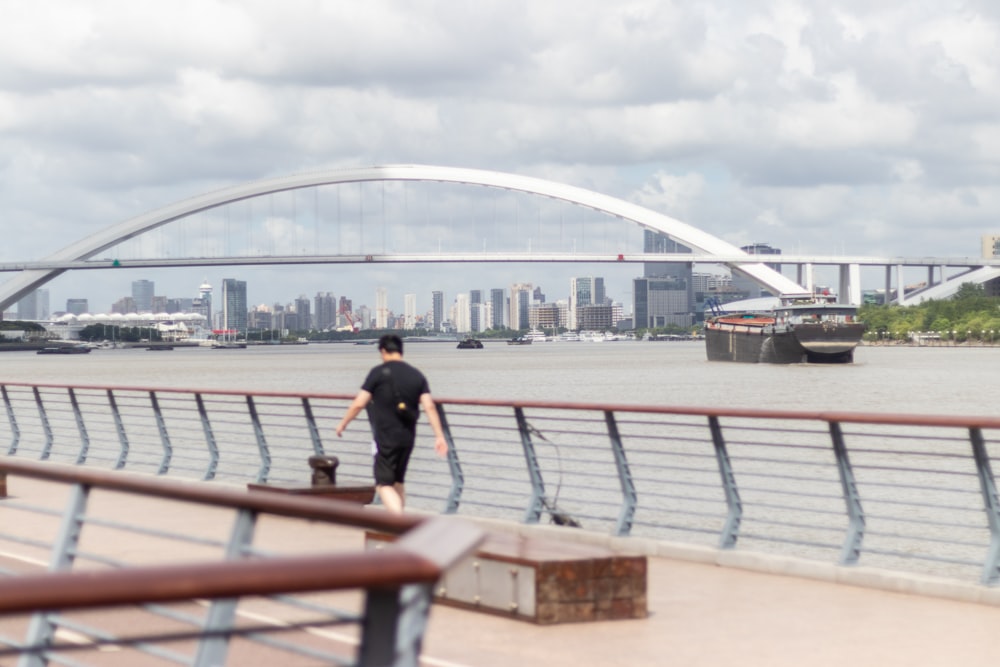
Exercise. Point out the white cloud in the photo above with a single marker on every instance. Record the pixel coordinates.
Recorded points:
(848, 123)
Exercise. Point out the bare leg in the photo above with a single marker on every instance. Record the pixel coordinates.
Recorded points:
(391, 498)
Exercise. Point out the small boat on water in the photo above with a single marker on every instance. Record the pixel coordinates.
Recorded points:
(807, 330)
(228, 345)
(65, 349)
(470, 344)
(519, 340)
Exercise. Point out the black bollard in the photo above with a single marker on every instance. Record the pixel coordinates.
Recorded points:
(324, 470)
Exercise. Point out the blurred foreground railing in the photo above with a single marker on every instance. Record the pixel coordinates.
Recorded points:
(183, 594)
(909, 492)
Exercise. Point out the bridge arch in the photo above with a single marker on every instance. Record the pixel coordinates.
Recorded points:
(688, 235)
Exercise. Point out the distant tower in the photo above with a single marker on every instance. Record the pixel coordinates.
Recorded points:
(381, 308)
(234, 305)
(142, 294)
(410, 311)
(437, 301)
(475, 308)
(202, 305)
(497, 303)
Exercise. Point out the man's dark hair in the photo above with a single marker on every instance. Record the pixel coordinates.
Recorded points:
(391, 343)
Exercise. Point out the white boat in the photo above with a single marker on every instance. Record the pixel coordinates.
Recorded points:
(535, 336)
(569, 336)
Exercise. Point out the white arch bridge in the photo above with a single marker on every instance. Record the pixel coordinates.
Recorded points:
(944, 275)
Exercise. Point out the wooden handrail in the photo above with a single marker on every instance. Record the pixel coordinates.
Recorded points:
(302, 507)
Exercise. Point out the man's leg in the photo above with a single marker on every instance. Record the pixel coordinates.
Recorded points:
(391, 499)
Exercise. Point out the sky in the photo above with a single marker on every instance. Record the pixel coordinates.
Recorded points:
(841, 127)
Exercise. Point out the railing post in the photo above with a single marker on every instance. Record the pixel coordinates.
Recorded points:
(222, 612)
(534, 511)
(41, 630)
(851, 551)
(213, 447)
(314, 436)
(457, 478)
(393, 627)
(991, 503)
(46, 427)
(258, 430)
(629, 496)
(734, 506)
(81, 458)
(120, 428)
(12, 419)
(161, 426)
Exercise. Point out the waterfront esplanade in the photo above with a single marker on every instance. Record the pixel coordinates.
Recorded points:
(944, 275)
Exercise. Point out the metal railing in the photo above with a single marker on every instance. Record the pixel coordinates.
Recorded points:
(908, 492)
(250, 597)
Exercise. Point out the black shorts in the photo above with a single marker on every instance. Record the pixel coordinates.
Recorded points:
(390, 464)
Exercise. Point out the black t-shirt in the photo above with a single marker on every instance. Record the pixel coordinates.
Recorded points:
(410, 384)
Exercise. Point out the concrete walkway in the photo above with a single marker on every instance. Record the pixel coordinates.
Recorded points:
(701, 614)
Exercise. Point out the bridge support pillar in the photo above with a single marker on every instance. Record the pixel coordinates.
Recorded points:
(900, 286)
(850, 284)
(805, 276)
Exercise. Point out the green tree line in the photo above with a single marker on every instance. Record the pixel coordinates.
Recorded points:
(970, 314)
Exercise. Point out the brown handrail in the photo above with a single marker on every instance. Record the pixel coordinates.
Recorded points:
(88, 589)
(892, 419)
(302, 507)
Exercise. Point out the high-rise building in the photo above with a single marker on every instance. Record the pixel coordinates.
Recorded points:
(520, 303)
(461, 318)
(381, 308)
(202, 304)
(475, 311)
(409, 311)
(497, 309)
(234, 305)
(437, 310)
(658, 302)
(346, 307)
(142, 294)
(303, 313)
(324, 312)
(77, 306)
(585, 291)
(34, 306)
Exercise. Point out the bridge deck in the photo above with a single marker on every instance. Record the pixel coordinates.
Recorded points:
(700, 614)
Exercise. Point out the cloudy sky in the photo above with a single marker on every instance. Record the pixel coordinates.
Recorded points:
(845, 126)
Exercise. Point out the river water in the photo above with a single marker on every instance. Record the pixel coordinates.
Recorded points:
(900, 379)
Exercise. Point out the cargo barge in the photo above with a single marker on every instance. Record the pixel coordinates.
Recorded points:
(799, 331)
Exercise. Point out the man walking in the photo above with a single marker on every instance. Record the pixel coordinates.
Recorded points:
(393, 394)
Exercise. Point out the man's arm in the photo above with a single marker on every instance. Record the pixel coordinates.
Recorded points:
(440, 444)
(356, 406)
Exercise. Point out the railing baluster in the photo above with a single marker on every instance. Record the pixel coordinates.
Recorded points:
(161, 426)
(46, 428)
(851, 551)
(12, 420)
(213, 447)
(454, 467)
(629, 496)
(991, 503)
(314, 435)
(41, 630)
(222, 612)
(258, 430)
(734, 506)
(81, 458)
(534, 510)
(120, 428)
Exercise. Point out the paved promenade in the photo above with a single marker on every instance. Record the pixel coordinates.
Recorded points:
(701, 614)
